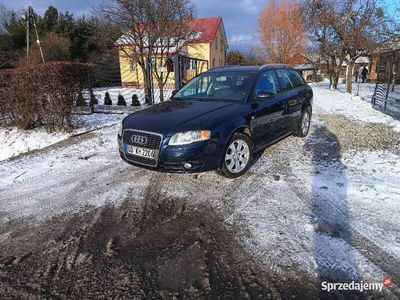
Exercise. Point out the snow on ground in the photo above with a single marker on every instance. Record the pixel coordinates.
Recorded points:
(366, 185)
(294, 212)
(66, 179)
(355, 107)
(274, 203)
(14, 141)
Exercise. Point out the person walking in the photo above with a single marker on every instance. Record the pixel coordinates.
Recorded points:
(364, 74)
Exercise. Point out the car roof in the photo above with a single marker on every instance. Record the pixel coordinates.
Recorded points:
(249, 68)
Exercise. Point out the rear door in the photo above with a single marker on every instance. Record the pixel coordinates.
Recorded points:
(301, 93)
(266, 120)
(291, 92)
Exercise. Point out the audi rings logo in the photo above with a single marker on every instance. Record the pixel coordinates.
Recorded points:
(138, 139)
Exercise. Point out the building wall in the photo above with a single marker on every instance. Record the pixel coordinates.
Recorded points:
(218, 53)
(214, 53)
(198, 50)
(131, 73)
(128, 72)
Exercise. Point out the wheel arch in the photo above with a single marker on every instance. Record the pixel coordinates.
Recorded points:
(245, 129)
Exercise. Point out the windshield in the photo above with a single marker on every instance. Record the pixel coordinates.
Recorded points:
(231, 86)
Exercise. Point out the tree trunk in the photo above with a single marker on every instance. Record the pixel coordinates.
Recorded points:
(161, 88)
(146, 85)
(349, 76)
(334, 73)
(334, 83)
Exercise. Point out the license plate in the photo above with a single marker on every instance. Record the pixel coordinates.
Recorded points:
(142, 152)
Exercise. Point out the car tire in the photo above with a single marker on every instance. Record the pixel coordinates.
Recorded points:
(305, 123)
(237, 156)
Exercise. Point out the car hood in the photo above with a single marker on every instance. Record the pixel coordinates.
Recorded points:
(174, 116)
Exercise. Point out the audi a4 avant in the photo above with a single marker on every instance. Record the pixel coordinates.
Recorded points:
(218, 120)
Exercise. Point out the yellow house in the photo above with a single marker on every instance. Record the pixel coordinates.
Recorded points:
(209, 48)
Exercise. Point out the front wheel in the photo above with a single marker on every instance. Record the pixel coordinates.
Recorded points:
(305, 122)
(238, 156)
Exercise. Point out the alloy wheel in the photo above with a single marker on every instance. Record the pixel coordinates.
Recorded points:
(305, 123)
(237, 156)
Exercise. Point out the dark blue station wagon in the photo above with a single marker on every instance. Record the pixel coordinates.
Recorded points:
(218, 120)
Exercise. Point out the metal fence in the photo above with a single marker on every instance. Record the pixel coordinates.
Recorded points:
(386, 97)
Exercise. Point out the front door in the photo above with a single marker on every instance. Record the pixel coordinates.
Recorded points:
(266, 120)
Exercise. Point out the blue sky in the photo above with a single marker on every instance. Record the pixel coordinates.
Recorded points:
(240, 16)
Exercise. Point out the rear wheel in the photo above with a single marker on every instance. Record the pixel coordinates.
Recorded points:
(238, 156)
(305, 122)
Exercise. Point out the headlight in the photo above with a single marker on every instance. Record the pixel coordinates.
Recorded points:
(184, 138)
(120, 130)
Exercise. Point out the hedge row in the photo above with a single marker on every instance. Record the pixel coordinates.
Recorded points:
(42, 95)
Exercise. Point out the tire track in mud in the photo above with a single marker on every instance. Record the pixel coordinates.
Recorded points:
(151, 248)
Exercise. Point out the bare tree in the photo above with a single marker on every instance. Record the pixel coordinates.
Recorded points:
(324, 37)
(171, 23)
(150, 28)
(347, 30)
(282, 31)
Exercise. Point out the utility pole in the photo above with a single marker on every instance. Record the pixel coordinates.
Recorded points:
(28, 17)
(28, 23)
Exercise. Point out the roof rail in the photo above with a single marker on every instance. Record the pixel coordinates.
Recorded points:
(214, 68)
(275, 66)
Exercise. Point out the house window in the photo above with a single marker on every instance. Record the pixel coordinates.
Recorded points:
(133, 66)
(216, 43)
(213, 62)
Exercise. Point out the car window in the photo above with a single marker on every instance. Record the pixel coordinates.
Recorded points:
(296, 78)
(231, 86)
(286, 83)
(267, 84)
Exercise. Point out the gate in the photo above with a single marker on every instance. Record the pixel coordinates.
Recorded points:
(186, 68)
(386, 97)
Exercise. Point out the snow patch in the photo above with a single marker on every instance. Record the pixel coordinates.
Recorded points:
(355, 107)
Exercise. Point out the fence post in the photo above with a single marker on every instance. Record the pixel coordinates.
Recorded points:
(390, 79)
(177, 72)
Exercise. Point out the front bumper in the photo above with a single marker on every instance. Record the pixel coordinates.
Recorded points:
(202, 156)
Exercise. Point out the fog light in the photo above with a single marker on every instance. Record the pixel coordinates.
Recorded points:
(187, 166)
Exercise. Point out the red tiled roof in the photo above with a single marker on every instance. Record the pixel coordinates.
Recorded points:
(207, 26)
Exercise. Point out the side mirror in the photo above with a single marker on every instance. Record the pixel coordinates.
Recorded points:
(173, 93)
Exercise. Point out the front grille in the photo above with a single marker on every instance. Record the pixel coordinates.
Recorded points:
(153, 140)
(150, 141)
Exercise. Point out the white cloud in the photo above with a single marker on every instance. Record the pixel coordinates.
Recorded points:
(250, 6)
(241, 38)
